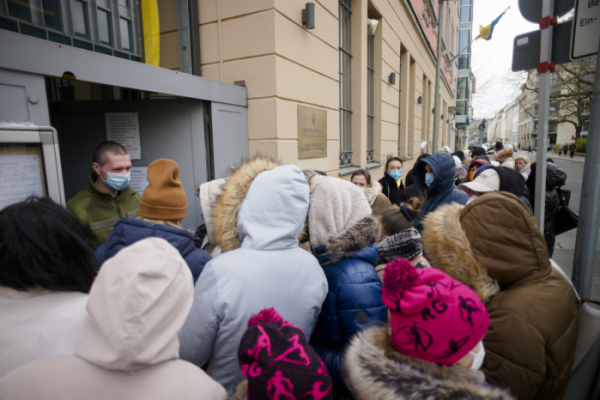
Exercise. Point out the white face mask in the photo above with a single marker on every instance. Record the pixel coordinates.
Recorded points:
(478, 358)
(362, 188)
(472, 198)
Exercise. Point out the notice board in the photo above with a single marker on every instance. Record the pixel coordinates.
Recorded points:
(21, 173)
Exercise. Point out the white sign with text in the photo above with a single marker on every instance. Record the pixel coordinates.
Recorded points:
(586, 29)
(124, 128)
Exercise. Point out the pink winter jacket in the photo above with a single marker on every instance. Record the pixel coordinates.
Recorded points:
(127, 347)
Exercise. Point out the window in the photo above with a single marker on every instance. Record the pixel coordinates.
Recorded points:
(585, 107)
(126, 34)
(104, 27)
(588, 78)
(80, 19)
(464, 44)
(586, 125)
(554, 108)
(52, 14)
(345, 53)
(465, 11)
(555, 91)
(19, 9)
(370, 97)
(552, 127)
(462, 96)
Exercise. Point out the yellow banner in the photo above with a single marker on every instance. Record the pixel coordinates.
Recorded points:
(151, 28)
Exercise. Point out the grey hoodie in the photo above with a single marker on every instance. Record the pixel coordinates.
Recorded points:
(257, 221)
(127, 346)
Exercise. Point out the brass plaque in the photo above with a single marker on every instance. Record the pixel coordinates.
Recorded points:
(312, 132)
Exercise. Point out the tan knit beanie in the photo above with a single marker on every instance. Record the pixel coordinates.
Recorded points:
(164, 198)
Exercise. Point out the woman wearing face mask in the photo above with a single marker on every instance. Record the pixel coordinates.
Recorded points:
(392, 180)
(473, 167)
(434, 178)
(432, 347)
(372, 190)
(494, 246)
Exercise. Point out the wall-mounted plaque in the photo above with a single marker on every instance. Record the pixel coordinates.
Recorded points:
(312, 132)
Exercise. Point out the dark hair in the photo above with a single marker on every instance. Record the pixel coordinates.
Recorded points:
(498, 145)
(107, 147)
(42, 245)
(393, 158)
(364, 173)
(392, 217)
(460, 155)
(477, 151)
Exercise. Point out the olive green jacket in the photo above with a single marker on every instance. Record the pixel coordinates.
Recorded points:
(99, 211)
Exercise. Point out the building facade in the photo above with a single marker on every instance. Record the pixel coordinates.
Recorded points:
(465, 86)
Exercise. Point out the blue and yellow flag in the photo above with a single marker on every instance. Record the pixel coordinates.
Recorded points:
(486, 32)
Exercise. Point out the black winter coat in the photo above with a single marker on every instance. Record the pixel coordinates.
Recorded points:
(391, 189)
(555, 178)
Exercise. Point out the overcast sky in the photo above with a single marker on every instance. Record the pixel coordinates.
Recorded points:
(492, 60)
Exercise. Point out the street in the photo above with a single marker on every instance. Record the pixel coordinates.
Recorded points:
(565, 243)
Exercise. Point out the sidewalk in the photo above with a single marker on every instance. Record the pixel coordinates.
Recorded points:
(579, 157)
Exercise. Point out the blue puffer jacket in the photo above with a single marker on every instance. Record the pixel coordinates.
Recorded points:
(130, 230)
(354, 297)
(442, 190)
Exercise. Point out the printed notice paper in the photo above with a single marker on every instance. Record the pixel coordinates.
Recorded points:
(124, 128)
(20, 177)
(139, 179)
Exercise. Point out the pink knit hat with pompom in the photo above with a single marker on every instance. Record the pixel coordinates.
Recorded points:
(433, 317)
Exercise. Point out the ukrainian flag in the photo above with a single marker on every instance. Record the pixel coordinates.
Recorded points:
(486, 32)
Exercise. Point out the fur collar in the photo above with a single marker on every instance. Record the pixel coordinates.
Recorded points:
(372, 192)
(225, 212)
(241, 391)
(446, 244)
(351, 240)
(373, 369)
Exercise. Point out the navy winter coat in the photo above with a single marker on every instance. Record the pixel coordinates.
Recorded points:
(442, 190)
(353, 302)
(130, 230)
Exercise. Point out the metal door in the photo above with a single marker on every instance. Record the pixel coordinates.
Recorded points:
(229, 137)
(23, 98)
(172, 129)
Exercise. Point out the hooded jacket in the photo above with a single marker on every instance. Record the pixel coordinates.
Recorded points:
(390, 188)
(208, 193)
(442, 190)
(375, 370)
(530, 343)
(257, 221)
(374, 196)
(129, 230)
(555, 178)
(127, 346)
(343, 236)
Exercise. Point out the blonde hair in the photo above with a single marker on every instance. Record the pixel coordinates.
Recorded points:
(524, 158)
(173, 223)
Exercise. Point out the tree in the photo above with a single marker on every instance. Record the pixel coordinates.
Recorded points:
(570, 93)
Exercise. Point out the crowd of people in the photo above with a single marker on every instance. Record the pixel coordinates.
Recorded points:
(299, 285)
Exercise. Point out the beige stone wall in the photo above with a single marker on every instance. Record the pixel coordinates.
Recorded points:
(263, 43)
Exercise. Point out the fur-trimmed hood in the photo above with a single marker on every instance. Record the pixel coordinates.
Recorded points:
(447, 246)
(356, 241)
(372, 192)
(374, 370)
(241, 391)
(263, 206)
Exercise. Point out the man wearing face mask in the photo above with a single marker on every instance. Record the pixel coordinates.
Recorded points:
(108, 196)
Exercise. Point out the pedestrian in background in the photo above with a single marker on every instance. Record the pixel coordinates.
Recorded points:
(46, 271)
(529, 150)
(392, 179)
(434, 178)
(560, 149)
(372, 190)
(572, 149)
(565, 148)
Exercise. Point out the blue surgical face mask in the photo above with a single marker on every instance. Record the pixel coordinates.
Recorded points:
(395, 174)
(116, 181)
(429, 178)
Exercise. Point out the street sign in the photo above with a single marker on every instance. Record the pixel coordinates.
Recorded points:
(532, 9)
(526, 48)
(586, 29)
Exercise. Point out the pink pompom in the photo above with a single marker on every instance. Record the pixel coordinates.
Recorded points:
(266, 315)
(399, 275)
